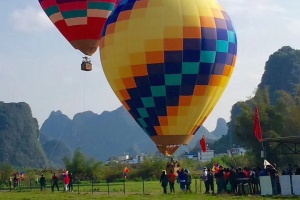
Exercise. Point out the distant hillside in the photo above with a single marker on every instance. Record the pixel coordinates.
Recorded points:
(108, 134)
(221, 129)
(228, 140)
(282, 73)
(19, 133)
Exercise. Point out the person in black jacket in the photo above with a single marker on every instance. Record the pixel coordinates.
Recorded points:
(164, 181)
(220, 179)
(240, 182)
(54, 182)
(70, 185)
(42, 182)
(188, 181)
(232, 179)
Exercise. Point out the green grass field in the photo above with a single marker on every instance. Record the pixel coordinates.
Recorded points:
(133, 191)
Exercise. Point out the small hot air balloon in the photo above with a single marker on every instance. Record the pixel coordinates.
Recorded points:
(80, 22)
(168, 62)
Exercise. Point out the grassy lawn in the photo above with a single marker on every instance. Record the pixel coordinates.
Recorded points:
(34, 195)
(133, 191)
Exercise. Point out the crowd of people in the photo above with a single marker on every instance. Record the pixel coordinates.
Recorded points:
(16, 179)
(232, 180)
(246, 180)
(229, 180)
(66, 178)
(182, 177)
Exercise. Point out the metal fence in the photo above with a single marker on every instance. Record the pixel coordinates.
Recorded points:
(140, 187)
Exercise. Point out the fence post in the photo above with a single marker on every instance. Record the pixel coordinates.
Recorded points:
(143, 186)
(107, 187)
(196, 186)
(92, 185)
(78, 185)
(124, 185)
(30, 184)
(9, 185)
(200, 185)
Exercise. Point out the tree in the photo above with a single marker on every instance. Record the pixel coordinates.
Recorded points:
(5, 170)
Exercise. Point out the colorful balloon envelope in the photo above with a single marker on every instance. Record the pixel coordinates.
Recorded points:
(168, 61)
(79, 21)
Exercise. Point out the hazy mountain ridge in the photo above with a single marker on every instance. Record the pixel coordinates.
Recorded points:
(110, 133)
(100, 136)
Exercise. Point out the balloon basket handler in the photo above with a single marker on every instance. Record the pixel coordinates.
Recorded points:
(173, 165)
(86, 64)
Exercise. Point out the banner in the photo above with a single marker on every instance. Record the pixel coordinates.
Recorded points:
(285, 184)
(296, 184)
(265, 185)
(266, 163)
(203, 144)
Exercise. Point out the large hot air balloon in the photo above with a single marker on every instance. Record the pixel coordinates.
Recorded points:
(80, 22)
(168, 62)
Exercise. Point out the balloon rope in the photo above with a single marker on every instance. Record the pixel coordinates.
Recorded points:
(84, 87)
(61, 131)
(65, 124)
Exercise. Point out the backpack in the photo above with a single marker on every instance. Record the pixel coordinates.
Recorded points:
(228, 186)
(188, 178)
(204, 177)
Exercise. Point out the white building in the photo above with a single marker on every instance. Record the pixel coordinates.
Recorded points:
(191, 156)
(236, 151)
(206, 156)
(139, 158)
(123, 159)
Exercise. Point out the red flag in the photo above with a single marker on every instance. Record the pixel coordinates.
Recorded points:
(257, 128)
(126, 170)
(203, 144)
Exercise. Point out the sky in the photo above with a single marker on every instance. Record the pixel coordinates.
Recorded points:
(38, 66)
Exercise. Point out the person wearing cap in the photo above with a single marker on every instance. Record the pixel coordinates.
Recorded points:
(209, 182)
(204, 175)
(204, 179)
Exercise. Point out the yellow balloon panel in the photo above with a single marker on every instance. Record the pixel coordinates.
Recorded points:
(169, 64)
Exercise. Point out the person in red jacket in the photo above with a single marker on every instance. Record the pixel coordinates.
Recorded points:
(246, 172)
(172, 178)
(66, 182)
